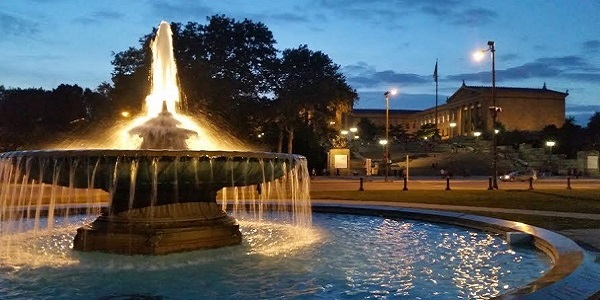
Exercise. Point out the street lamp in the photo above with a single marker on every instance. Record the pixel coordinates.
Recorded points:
(387, 129)
(384, 144)
(452, 125)
(494, 110)
(550, 144)
(476, 134)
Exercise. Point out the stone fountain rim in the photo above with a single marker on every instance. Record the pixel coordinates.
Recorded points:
(64, 153)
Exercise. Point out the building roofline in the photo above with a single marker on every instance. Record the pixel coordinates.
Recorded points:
(504, 89)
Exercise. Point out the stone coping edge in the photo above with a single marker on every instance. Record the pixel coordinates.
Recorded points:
(565, 280)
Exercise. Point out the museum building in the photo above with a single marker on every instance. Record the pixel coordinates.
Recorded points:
(468, 111)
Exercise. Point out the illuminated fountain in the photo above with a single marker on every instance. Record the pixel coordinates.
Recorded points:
(161, 197)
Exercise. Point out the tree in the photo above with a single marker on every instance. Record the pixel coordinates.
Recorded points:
(426, 131)
(397, 133)
(64, 106)
(592, 132)
(130, 78)
(569, 138)
(310, 92)
(368, 130)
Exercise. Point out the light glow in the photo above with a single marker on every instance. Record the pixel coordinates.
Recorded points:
(479, 55)
(164, 73)
(165, 89)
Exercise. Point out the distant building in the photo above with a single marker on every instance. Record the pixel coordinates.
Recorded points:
(527, 109)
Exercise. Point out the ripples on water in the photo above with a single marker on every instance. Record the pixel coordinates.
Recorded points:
(342, 257)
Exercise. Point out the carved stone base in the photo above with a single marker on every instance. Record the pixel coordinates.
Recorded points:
(162, 232)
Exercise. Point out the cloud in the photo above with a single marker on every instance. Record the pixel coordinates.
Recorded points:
(509, 56)
(567, 67)
(472, 17)
(362, 75)
(100, 16)
(582, 108)
(181, 9)
(11, 25)
(581, 113)
(591, 45)
(375, 100)
(280, 18)
(453, 12)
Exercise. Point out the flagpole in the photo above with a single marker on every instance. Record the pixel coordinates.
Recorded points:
(435, 75)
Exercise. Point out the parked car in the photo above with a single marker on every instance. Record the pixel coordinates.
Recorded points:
(519, 176)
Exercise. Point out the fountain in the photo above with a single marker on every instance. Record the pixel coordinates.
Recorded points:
(162, 196)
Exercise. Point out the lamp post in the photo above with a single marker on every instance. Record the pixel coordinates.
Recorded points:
(387, 130)
(452, 125)
(477, 134)
(550, 144)
(384, 144)
(494, 109)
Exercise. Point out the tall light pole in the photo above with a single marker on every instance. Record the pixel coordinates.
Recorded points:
(452, 125)
(494, 110)
(387, 130)
(550, 144)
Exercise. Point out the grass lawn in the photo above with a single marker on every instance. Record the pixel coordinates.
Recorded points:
(581, 201)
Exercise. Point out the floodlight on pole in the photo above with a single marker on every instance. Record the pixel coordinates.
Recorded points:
(550, 144)
(494, 109)
(387, 95)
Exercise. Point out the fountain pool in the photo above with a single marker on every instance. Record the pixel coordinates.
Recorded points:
(341, 257)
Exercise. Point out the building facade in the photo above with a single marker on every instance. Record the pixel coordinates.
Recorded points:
(468, 111)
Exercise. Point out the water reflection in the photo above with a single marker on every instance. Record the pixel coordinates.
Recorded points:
(344, 257)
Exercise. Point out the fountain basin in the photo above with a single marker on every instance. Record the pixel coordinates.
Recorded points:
(161, 201)
(142, 178)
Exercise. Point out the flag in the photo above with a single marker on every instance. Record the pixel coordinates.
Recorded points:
(435, 75)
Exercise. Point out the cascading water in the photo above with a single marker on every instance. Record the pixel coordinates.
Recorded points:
(153, 200)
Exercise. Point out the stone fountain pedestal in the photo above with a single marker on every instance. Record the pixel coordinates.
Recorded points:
(160, 229)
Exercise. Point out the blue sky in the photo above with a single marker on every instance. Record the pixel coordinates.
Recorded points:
(379, 44)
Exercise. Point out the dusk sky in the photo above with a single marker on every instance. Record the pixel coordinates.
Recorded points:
(379, 44)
